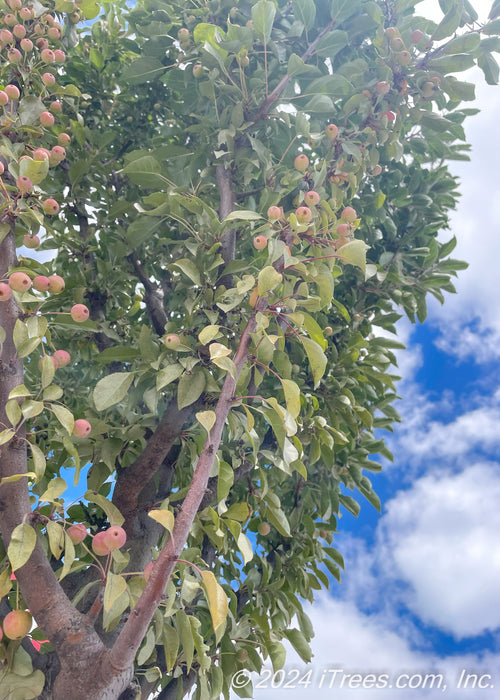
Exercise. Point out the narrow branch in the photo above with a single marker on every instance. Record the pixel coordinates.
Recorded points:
(276, 93)
(123, 652)
(153, 296)
(228, 242)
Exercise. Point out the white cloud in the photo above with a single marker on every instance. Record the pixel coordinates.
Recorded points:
(349, 643)
(441, 538)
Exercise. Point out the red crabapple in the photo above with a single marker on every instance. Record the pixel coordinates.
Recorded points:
(48, 56)
(46, 119)
(59, 56)
(349, 215)
(19, 31)
(41, 283)
(24, 184)
(79, 313)
(5, 291)
(77, 532)
(64, 139)
(98, 545)
(260, 242)
(12, 92)
(26, 45)
(81, 427)
(48, 79)
(63, 358)
(41, 154)
(114, 537)
(4, 98)
(382, 87)
(274, 213)
(343, 230)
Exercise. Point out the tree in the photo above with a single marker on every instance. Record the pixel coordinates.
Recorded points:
(236, 204)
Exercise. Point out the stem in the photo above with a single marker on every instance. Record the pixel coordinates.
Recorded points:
(123, 652)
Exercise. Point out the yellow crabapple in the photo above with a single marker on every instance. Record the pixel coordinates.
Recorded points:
(114, 537)
(41, 283)
(77, 532)
(62, 357)
(301, 162)
(19, 282)
(56, 284)
(17, 624)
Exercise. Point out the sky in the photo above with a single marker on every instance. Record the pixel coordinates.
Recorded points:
(418, 610)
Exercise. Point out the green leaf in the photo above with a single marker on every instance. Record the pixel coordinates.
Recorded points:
(36, 170)
(300, 644)
(452, 64)
(208, 333)
(112, 389)
(277, 654)
(167, 375)
(142, 70)
(242, 215)
(317, 358)
(189, 269)
(296, 66)
(305, 12)
(55, 488)
(190, 388)
(330, 44)
(114, 515)
(64, 416)
(354, 253)
(30, 408)
(115, 586)
(186, 635)
(39, 463)
(21, 545)
(489, 66)
(263, 13)
(448, 25)
(245, 547)
(217, 602)
(268, 279)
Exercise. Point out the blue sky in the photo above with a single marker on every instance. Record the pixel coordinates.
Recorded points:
(420, 593)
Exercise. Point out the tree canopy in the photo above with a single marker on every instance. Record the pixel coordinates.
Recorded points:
(231, 208)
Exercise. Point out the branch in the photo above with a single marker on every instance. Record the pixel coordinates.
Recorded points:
(153, 296)
(228, 241)
(132, 480)
(41, 590)
(276, 93)
(123, 652)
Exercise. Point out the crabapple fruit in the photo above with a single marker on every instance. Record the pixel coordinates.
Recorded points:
(77, 532)
(47, 56)
(311, 198)
(343, 230)
(19, 282)
(416, 36)
(264, 529)
(4, 98)
(5, 291)
(349, 215)
(48, 79)
(81, 427)
(31, 241)
(198, 70)
(172, 341)
(24, 184)
(63, 358)
(17, 624)
(46, 119)
(274, 213)
(41, 283)
(56, 284)
(12, 92)
(114, 537)
(64, 139)
(332, 131)
(382, 87)
(41, 154)
(303, 214)
(301, 162)
(79, 313)
(26, 45)
(260, 242)
(98, 545)
(376, 170)
(50, 207)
